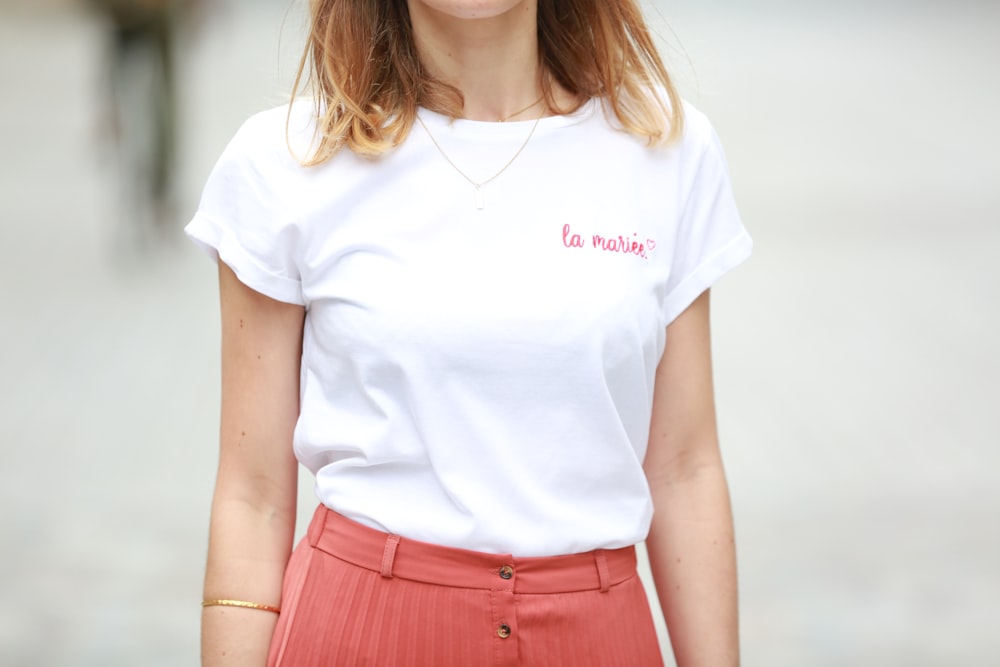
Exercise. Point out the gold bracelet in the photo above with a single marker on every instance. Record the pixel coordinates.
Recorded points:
(240, 603)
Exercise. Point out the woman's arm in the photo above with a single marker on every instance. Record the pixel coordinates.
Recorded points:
(253, 510)
(691, 545)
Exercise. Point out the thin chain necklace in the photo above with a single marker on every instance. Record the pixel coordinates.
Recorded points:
(480, 200)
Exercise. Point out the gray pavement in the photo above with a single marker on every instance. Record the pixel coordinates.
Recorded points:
(858, 374)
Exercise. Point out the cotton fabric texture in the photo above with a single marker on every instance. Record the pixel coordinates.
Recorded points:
(479, 379)
(356, 596)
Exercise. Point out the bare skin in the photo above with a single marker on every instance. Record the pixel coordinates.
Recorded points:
(691, 544)
(488, 49)
(253, 510)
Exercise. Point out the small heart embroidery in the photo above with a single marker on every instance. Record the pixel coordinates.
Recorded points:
(651, 244)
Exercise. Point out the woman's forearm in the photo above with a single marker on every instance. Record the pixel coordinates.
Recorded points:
(249, 547)
(693, 559)
(253, 510)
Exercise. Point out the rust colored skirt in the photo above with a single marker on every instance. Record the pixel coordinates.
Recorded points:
(356, 596)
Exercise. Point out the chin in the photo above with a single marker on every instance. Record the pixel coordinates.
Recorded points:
(470, 9)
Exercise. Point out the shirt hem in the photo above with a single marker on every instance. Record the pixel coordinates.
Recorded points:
(220, 245)
(707, 274)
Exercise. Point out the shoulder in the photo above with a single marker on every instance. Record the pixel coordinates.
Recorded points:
(263, 160)
(275, 138)
(699, 133)
(699, 151)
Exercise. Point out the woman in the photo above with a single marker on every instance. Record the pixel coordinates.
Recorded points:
(488, 340)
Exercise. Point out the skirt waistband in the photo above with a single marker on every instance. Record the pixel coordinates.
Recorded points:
(395, 556)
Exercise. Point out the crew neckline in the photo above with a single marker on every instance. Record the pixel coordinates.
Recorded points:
(487, 128)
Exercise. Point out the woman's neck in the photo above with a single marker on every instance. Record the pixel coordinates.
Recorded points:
(488, 51)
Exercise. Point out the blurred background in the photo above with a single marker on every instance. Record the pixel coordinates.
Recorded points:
(857, 366)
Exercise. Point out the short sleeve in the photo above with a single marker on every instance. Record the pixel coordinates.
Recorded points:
(241, 218)
(710, 238)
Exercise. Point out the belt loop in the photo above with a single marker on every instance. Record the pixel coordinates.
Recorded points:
(602, 570)
(318, 524)
(389, 555)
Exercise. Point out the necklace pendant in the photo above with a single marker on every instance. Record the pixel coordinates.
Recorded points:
(480, 200)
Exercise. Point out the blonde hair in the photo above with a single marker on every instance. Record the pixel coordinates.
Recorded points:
(367, 81)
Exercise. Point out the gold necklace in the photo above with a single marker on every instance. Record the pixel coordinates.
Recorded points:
(480, 200)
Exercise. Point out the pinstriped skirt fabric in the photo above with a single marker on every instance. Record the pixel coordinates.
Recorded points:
(356, 596)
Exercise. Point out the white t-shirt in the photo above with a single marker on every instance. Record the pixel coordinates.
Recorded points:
(479, 378)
